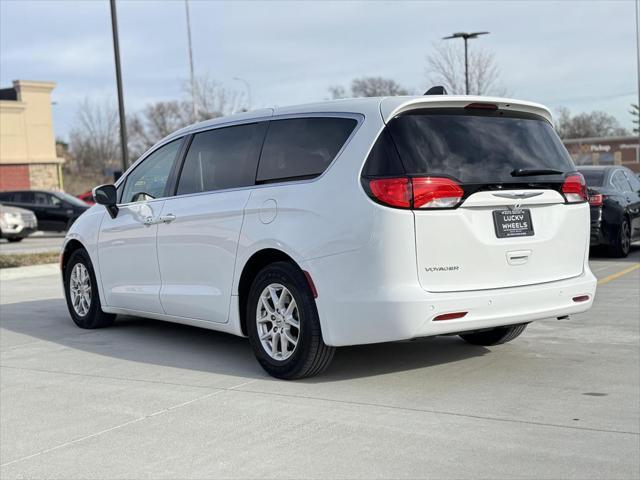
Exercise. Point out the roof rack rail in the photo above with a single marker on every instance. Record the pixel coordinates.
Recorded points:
(437, 90)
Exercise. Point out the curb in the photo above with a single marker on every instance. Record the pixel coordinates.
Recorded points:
(31, 271)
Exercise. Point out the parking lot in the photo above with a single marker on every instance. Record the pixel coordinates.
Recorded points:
(147, 399)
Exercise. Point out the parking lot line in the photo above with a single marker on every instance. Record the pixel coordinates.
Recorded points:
(619, 274)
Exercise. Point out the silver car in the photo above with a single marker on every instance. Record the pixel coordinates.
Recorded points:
(16, 223)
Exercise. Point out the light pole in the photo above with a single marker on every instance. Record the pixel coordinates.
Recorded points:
(123, 120)
(248, 85)
(194, 109)
(465, 36)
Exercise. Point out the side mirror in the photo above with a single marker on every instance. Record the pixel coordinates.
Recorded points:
(107, 195)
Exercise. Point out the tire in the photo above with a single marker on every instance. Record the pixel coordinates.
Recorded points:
(93, 317)
(494, 336)
(310, 355)
(15, 239)
(622, 245)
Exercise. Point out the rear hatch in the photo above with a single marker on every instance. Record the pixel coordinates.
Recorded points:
(495, 195)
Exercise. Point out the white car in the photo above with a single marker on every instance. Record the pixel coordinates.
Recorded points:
(340, 223)
(16, 223)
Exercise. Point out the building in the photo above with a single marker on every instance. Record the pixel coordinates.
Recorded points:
(28, 158)
(606, 151)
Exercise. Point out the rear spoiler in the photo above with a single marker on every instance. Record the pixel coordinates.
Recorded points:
(392, 106)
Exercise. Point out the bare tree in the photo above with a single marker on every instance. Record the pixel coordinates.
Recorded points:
(159, 119)
(587, 124)
(445, 66)
(93, 140)
(369, 87)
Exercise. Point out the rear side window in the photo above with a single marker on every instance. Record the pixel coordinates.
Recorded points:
(302, 147)
(619, 181)
(222, 158)
(478, 148)
(24, 197)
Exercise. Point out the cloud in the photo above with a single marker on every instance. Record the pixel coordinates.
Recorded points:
(578, 54)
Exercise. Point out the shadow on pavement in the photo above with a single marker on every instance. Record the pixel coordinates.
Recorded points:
(180, 346)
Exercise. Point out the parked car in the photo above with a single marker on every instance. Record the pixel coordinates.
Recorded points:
(341, 223)
(16, 223)
(87, 197)
(55, 211)
(614, 196)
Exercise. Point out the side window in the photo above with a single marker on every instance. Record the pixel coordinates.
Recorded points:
(620, 181)
(633, 179)
(222, 158)
(6, 196)
(24, 197)
(43, 199)
(302, 147)
(149, 179)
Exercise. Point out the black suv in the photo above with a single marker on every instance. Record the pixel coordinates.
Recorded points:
(55, 211)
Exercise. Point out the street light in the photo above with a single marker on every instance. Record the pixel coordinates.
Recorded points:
(465, 36)
(248, 85)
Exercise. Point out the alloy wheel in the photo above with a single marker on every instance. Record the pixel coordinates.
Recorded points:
(80, 289)
(278, 321)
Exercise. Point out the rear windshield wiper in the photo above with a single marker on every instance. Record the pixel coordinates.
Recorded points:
(523, 172)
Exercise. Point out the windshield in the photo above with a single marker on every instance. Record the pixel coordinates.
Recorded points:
(71, 199)
(478, 147)
(594, 178)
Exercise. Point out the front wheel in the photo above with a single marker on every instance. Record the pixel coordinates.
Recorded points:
(283, 324)
(495, 336)
(81, 293)
(14, 239)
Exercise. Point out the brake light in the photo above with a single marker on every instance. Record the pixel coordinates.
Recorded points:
(574, 188)
(596, 200)
(482, 106)
(417, 192)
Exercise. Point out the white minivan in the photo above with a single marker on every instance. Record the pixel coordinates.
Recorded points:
(340, 223)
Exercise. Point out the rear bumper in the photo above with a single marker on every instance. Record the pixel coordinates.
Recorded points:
(405, 311)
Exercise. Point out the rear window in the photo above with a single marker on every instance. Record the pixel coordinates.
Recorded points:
(302, 147)
(478, 147)
(594, 178)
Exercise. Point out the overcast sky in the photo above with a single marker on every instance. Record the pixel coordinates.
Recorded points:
(578, 54)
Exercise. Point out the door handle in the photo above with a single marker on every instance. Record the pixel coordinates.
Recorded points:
(168, 218)
(161, 219)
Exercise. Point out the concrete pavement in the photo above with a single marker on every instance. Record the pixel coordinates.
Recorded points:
(147, 399)
(36, 243)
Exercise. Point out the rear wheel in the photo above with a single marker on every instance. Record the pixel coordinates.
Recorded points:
(622, 244)
(81, 292)
(495, 336)
(283, 324)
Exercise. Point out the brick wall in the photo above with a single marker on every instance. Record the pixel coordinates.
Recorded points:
(14, 177)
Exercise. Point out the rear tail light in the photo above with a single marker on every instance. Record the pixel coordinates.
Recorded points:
(436, 192)
(395, 192)
(574, 188)
(596, 200)
(417, 192)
